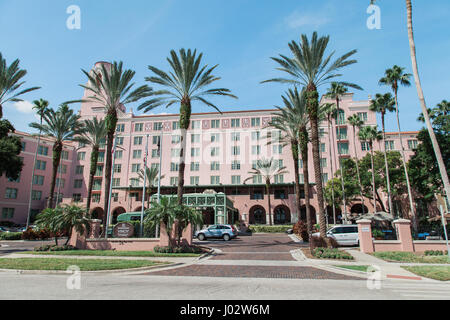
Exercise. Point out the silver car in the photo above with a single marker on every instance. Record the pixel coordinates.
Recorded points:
(218, 231)
(345, 235)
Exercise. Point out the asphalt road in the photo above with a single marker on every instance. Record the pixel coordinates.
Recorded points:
(7, 247)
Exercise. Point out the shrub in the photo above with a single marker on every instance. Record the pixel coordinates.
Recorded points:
(328, 253)
(435, 253)
(318, 242)
(270, 229)
(11, 236)
(377, 233)
(301, 229)
(47, 248)
(183, 249)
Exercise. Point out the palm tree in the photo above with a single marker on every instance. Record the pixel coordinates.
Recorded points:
(267, 169)
(73, 217)
(185, 216)
(94, 134)
(383, 104)
(356, 122)
(370, 134)
(186, 82)
(309, 68)
(40, 106)
(437, 150)
(163, 212)
(110, 87)
(10, 82)
(49, 219)
(61, 125)
(393, 78)
(152, 180)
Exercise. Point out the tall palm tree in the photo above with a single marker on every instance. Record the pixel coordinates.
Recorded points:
(394, 77)
(40, 106)
(11, 79)
(329, 111)
(61, 125)
(95, 133)
(370, 134)
(356, 122)
(152, 180)
(267, 169)
(162, 213)
(382, 104)
(186, 82)
(111, 87)
(437, 150)
(310, 68)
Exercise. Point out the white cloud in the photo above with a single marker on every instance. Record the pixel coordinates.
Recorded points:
(24, 107)
(299, 19)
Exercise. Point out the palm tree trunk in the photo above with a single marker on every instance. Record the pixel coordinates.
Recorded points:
(1, 111)
(388, 180)
(295, 151)
(312, 97)
(304, 152)
(373, 179)
(402, 150)
(415, 67)
(340, 160)
(357, 170)
(268, 202)
(57, 148)
(185, 119)
(93, 169)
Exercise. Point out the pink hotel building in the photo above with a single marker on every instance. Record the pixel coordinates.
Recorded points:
(221, 149)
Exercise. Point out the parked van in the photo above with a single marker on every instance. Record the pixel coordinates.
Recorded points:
(345, 235)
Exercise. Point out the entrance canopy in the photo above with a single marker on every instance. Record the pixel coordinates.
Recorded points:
(224, 209)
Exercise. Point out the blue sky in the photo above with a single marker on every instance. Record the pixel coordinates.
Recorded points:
(239, 35)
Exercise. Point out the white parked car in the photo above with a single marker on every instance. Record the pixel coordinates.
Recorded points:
(345, 235)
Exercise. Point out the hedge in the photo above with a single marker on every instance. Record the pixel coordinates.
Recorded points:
(11, 236)
(270, 229)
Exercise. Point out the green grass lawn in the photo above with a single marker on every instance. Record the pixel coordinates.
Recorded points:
(410, 257)
(441, 273)
(357, 268)
(83, 264)
(112, 253)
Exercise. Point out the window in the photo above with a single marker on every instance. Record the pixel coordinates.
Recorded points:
(195, 180)
(115, 196)
(7, 213)
(280, 164)
(390, 145)
(215, 137)
(412, 144)
(256, 122)
(195, 152)
(215, 124)
(321, 132)
(236, 165)
(43, 151)
(60, 183)
(96, 198)
(36, 195)
(215, 180)
(365, 146)
(11, 193)
(256, 135)
(173, 181)
(235, 136)
(136, 167)
(280, 194)
(195, 138)
(175, 125)
(138, 127)
(97, 184)
(155, 153)
(134, 182)
(137, 154)
(235, 179)
(362, 116)
(137, 141)
(175, 152)
(174, 167)
(235, 123)
(257, 195)
(119, 141)
(300, 163)
(176, 139)
(341, 133)
(116, 182)
(99, 171)
(155, 166)
(256, 150)
(65, 155)
(79, 170)
(324, 178)
(196, 124)
(214, 152)
(62, 168)
(215, 166)
(343, 148)
(323, 147)
(257, 179)
(279, 178)
(117, 168)
(323, 163)
(76, 197)
(301, 178)
(134, 195)
(277, 149)
(195, 166)
(341, 118)
(81, 155)
(157, 126)
(235, 150)
(155, 140)
(24, 144)
(120, 128)
(38, 180)
(276, 136)
(78, 184)
(41, 165)
(254, 164)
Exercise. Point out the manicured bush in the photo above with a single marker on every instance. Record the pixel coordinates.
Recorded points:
(436, 253)
(301, 229)
(183, 249)
(270, 229)
(54, 248)
(377, 233)
(331, 253)
(11, 236)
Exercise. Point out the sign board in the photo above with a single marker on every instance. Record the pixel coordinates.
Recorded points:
(365, 229)
(124, 230)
